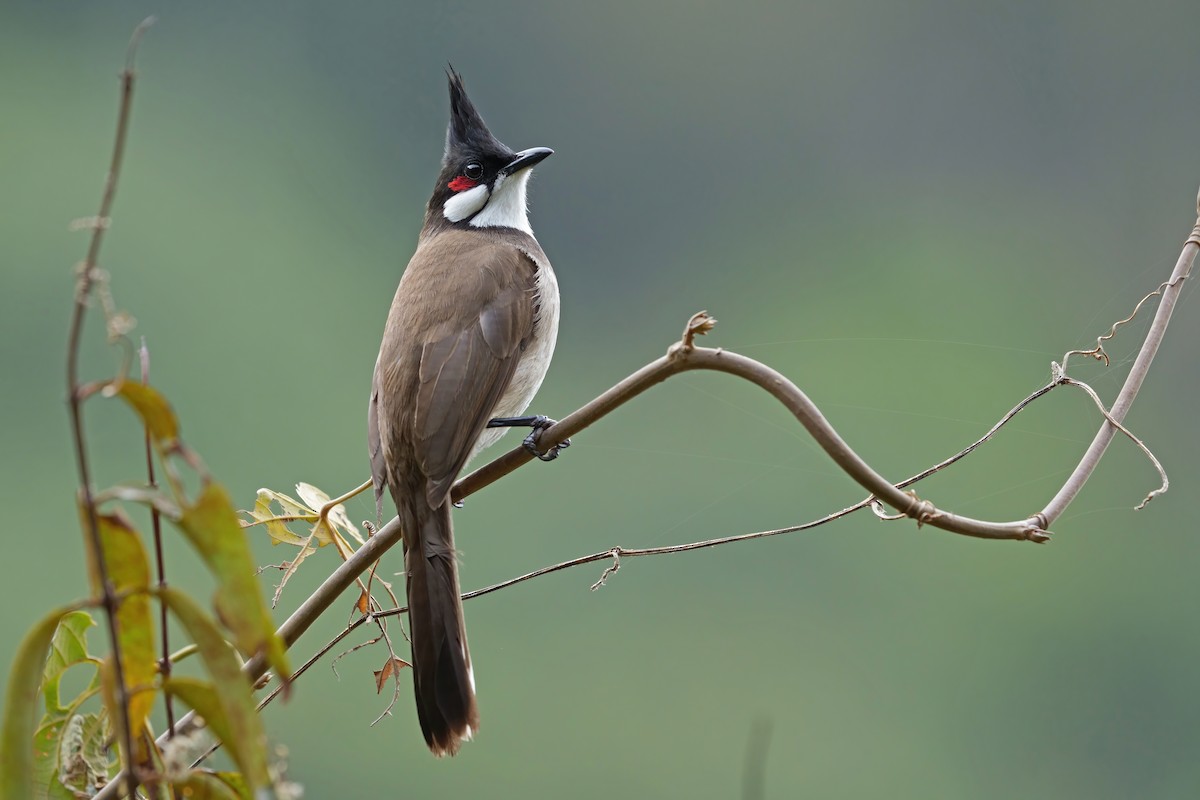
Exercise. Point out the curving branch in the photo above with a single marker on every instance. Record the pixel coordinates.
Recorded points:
(1133, 381)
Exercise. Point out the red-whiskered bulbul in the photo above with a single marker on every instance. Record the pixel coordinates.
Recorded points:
(467, 343)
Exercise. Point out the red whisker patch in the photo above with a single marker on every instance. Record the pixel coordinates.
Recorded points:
(462, 183)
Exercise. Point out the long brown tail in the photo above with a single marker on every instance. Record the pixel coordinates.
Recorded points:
(442, 677)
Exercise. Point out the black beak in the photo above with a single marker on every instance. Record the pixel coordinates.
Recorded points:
(526, 159)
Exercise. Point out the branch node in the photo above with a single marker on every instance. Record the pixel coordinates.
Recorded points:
(1036, 535)
(616, 565)
(922, 511)
(698, 324)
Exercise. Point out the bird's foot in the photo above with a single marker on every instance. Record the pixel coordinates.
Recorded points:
(539, 423)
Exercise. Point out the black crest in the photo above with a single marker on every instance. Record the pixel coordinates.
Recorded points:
(468, 133)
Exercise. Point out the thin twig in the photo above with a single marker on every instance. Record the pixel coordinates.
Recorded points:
(333, 664)
(164, 664)
(393, 661)
(1162, 473)
(82, 294)
(610, 570)
(1098, 352)
(279, 689)
(1133, 382)
(337, 501)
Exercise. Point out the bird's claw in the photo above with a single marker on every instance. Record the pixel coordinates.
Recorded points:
(531, 441)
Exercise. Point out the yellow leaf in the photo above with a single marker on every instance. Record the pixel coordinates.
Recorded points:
(290, 506)
(312, 495)
(129, 573)
(337, 516)
(277, 529)
(154, 410)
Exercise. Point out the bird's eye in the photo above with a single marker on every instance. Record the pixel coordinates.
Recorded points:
(473, 170)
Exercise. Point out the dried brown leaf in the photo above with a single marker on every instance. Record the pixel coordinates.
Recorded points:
(390, 667)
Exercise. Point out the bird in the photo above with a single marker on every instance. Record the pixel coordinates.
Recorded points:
(467, 343)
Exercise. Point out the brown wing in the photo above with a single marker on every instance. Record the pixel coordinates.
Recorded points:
(463, 376)
(461, 317)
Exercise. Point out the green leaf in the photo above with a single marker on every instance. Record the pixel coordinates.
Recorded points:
(67, 649)
(94, 730)
(227, 703)
(155, 411)
(16, 725)
(212, 527)
(129, 573)
(204, 785)
(84, 762)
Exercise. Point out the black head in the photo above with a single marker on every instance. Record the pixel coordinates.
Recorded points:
(468, 133)
(475, 158)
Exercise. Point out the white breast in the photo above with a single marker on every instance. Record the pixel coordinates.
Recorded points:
(534, 362)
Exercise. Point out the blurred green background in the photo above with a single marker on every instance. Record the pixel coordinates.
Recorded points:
(910, 209)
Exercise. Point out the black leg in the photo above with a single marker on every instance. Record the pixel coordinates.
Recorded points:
(520, 422)
(539, 423)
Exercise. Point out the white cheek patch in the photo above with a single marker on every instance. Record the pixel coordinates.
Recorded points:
(464, 204)
(506, 208)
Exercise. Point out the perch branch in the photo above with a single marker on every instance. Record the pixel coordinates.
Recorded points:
(616, 553)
